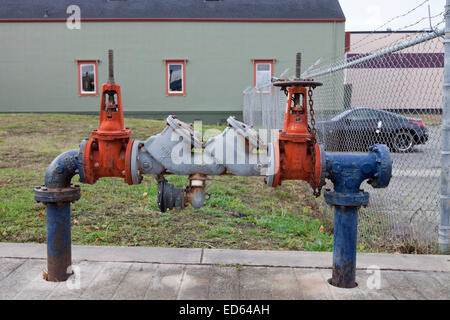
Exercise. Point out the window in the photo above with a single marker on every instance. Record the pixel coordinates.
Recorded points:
(362, 114)
(87, 77)
(175, 77)
(263, 73)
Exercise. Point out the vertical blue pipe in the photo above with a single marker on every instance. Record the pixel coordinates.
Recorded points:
(344, 246)
(347, 172)
(58, 241)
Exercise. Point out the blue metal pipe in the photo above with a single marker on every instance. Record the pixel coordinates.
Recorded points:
(347, 172)
(344, 247)
(57, 194)
(59, 256)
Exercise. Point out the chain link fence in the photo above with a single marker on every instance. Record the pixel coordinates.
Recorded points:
(386, 89)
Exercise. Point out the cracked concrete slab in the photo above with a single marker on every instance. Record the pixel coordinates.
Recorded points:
(200, 274)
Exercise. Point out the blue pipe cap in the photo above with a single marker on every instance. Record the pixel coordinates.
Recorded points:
(383, 174)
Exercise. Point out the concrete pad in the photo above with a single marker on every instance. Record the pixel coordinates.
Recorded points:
(8, 266)
(312, 285)
(300, 259)
(166, 282)
(84, 274)
(400, 288)
(268, 284)
(218, 274)
(103, 253)
(224, 283)
(425, 262)
(252, 284)
(305, 259)
(23, 250)
(196, 283)
(136, 283)
(357, 293)
(282, 284)
(37, 287)
(426, 283)
(107, 281)
(267, 258)
(17, 280)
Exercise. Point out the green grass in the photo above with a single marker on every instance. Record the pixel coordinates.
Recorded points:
(241, 213)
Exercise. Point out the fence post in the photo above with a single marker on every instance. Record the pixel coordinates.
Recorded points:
(444, 226)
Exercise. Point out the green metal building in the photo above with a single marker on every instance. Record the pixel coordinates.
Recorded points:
(192, 58)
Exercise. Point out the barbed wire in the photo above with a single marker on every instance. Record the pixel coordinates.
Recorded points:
(354, 46)
(335, 59)
(397, 17)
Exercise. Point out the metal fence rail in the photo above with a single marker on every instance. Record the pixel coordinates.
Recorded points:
(401, 87)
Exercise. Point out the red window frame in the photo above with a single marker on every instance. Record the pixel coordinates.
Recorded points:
(262, 61)
(80, 85)
(183, 63)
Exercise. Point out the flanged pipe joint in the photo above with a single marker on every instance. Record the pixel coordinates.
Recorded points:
(57, 194)
(347, 172)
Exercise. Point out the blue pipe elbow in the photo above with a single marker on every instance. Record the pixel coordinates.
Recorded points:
(61, 171)
(348, 171)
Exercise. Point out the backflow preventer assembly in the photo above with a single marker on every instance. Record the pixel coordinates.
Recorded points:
(238, 150)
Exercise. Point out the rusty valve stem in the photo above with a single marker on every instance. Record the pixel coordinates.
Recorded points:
(110, 66)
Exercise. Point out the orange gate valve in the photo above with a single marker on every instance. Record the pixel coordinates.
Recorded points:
(296, 155)
(109, 153)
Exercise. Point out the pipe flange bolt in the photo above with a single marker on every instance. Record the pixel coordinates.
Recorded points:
(55, 195)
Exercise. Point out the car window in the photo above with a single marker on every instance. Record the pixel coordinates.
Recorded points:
(361, 114)
(341, 115)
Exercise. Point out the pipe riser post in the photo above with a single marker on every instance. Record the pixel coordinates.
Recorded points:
(59, 253)
(344, 247)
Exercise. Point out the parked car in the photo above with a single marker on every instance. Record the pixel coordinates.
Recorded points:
(356, 129)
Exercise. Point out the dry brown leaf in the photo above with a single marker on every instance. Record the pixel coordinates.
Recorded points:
(145, 194)
(41, 213)
(3, 209)
(321, 229)
(75, 221)
(127, 230)
(38, 206)
(4, 233)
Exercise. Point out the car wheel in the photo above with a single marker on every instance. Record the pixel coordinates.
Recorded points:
(403, 141)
